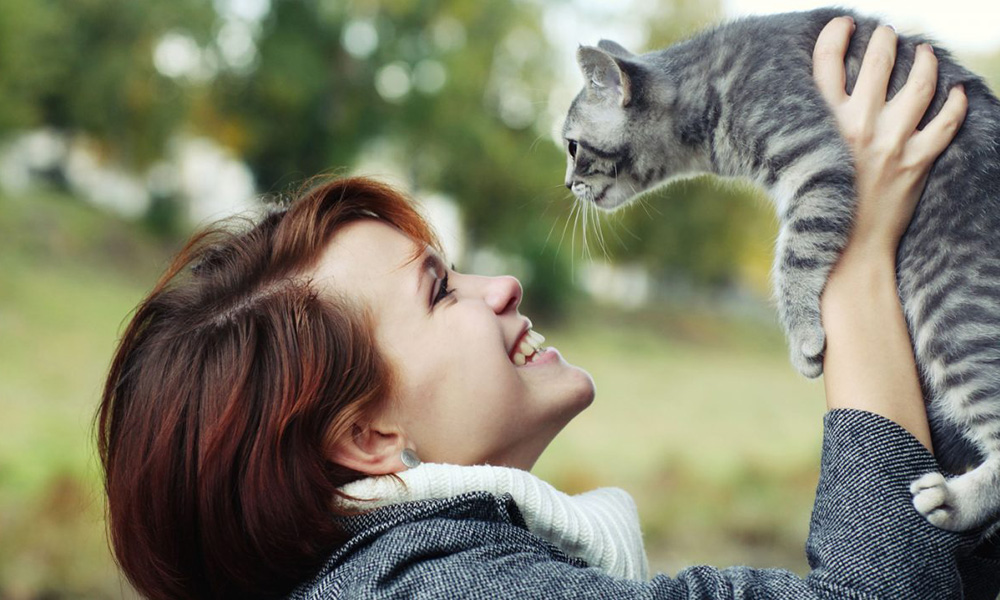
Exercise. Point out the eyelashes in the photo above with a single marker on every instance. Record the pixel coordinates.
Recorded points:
(443, 291)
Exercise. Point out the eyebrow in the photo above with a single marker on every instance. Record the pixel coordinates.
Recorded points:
(430, 262)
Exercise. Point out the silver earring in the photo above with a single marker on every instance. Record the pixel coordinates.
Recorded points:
(409, 458)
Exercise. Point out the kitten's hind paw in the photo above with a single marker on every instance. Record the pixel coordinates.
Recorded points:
(936, 499)
(807, 345)
(930, 498)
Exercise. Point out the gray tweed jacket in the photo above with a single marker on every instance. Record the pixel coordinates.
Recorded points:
(866, 541)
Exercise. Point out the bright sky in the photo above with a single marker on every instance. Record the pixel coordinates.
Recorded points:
(961, 25)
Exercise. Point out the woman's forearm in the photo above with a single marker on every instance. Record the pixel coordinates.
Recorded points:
(869, 362)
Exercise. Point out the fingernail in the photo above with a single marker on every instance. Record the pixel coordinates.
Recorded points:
(929, 47)
(891, 27)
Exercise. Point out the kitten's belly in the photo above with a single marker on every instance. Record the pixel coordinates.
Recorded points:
(953, 451)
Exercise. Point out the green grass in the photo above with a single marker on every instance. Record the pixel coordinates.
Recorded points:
(701, 418)
(67, 279)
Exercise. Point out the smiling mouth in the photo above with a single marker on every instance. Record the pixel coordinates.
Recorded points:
(529, 346)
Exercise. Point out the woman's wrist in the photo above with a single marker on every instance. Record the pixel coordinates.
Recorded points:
(869, 362)
(862, 269)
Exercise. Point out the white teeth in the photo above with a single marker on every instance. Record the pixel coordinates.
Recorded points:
(529, 345)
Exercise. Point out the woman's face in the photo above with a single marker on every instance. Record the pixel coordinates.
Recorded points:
(459, 397)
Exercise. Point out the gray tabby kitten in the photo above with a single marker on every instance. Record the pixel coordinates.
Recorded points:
(739, 101)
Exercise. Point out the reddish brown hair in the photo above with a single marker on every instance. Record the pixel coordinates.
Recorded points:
(229, 383)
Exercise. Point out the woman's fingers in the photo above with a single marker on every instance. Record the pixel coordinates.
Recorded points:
(828, 59)
(912, 101)
(873, 80)
(872, 127)
(936, 136)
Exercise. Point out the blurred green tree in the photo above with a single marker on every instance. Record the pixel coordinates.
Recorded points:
(453, 87)
(87, 66)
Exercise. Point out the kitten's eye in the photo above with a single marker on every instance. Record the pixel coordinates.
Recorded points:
(572, 148)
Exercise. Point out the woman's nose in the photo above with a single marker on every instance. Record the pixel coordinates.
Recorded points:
(503, 293)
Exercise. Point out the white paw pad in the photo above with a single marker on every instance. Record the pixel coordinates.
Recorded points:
(931, 498)
(814, 343)
(807, 341)
(808, 365)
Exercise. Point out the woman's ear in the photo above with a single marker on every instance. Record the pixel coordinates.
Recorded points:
(370, 449)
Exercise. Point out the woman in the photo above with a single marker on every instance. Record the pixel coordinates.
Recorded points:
(273, 375)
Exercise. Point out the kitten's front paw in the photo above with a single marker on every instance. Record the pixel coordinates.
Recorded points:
(807, 345)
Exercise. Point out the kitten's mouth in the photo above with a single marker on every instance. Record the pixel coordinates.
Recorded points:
(585, 193)
(597, 199)
(527, 347)
(600, 197)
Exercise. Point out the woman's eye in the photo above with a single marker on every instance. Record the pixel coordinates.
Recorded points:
(572, 148)
(443, 291)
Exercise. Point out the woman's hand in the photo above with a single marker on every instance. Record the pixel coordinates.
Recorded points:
(892, 158)
(868, 363)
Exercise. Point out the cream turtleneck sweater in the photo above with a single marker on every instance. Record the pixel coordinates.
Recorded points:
(601, 526)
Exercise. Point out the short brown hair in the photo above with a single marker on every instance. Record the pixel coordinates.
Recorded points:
(229, 383)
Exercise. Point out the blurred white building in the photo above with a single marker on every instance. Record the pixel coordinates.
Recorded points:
(207, 179)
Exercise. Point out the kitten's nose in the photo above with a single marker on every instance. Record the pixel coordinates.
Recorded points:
(569, 184)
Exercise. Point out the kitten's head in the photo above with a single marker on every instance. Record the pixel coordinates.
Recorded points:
(614, 131)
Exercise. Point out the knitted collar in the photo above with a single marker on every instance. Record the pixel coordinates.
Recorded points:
(600, 526)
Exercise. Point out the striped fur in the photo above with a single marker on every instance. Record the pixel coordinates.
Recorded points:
(739, 101)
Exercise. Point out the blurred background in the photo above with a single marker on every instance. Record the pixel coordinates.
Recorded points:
(125, 124)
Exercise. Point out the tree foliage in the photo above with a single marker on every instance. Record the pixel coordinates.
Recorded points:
(310, 106)
(466, 116)
(87, 66)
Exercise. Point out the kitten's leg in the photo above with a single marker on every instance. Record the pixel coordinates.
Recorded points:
(973, 403)
(815, 197)
(799, 282)
(958, 349)
(960, 503)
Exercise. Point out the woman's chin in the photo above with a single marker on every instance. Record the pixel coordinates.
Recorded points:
(578, 394)
(578, 388)
(588, 390)
(585, 383)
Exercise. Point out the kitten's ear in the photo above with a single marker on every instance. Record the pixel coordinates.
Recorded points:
(604, 74)
(614, 49)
